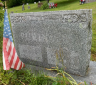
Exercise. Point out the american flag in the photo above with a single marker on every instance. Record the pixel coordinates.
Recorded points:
(10, 57)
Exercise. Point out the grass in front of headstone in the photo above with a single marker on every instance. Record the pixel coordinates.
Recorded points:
(25, 77)
(22, 77)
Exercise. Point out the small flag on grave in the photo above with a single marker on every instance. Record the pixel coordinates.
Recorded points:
(10, 57)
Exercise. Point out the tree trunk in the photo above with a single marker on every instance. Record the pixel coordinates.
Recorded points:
(48, 1)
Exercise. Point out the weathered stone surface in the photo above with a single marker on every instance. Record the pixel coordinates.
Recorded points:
(91, 75)
(41, 38)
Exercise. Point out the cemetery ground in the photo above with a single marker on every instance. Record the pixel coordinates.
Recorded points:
(25, 77)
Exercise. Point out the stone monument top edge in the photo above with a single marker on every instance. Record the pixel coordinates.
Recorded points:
(14, 14)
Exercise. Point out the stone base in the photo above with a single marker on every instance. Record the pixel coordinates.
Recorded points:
(89, 78)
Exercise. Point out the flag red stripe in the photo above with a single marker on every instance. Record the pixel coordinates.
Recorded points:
(5, 54)
(9, 63)
(16, 63)
(8, 44)
(20, 66)
(23, 65)
(12, 58)
(9, 50)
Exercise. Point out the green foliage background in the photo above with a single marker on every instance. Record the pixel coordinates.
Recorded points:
(1, 34)
(12, 3)
(1, 13)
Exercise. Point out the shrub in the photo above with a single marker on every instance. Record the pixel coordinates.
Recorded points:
(45, 6)
(12, 3)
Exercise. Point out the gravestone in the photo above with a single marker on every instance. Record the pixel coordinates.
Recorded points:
(34, 2)
(44, 38)
(27, 4)
(28, 7)
(40, 4)
(23, 8)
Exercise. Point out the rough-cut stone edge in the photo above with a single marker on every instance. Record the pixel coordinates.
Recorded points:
(27, 13)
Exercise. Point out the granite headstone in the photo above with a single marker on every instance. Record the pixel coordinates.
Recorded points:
(34, 2)
(40, 4)
(43, 38)
(23, 8)
(28, 7)
(27, 4)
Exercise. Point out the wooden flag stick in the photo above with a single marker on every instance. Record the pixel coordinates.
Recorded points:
(5, 5)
